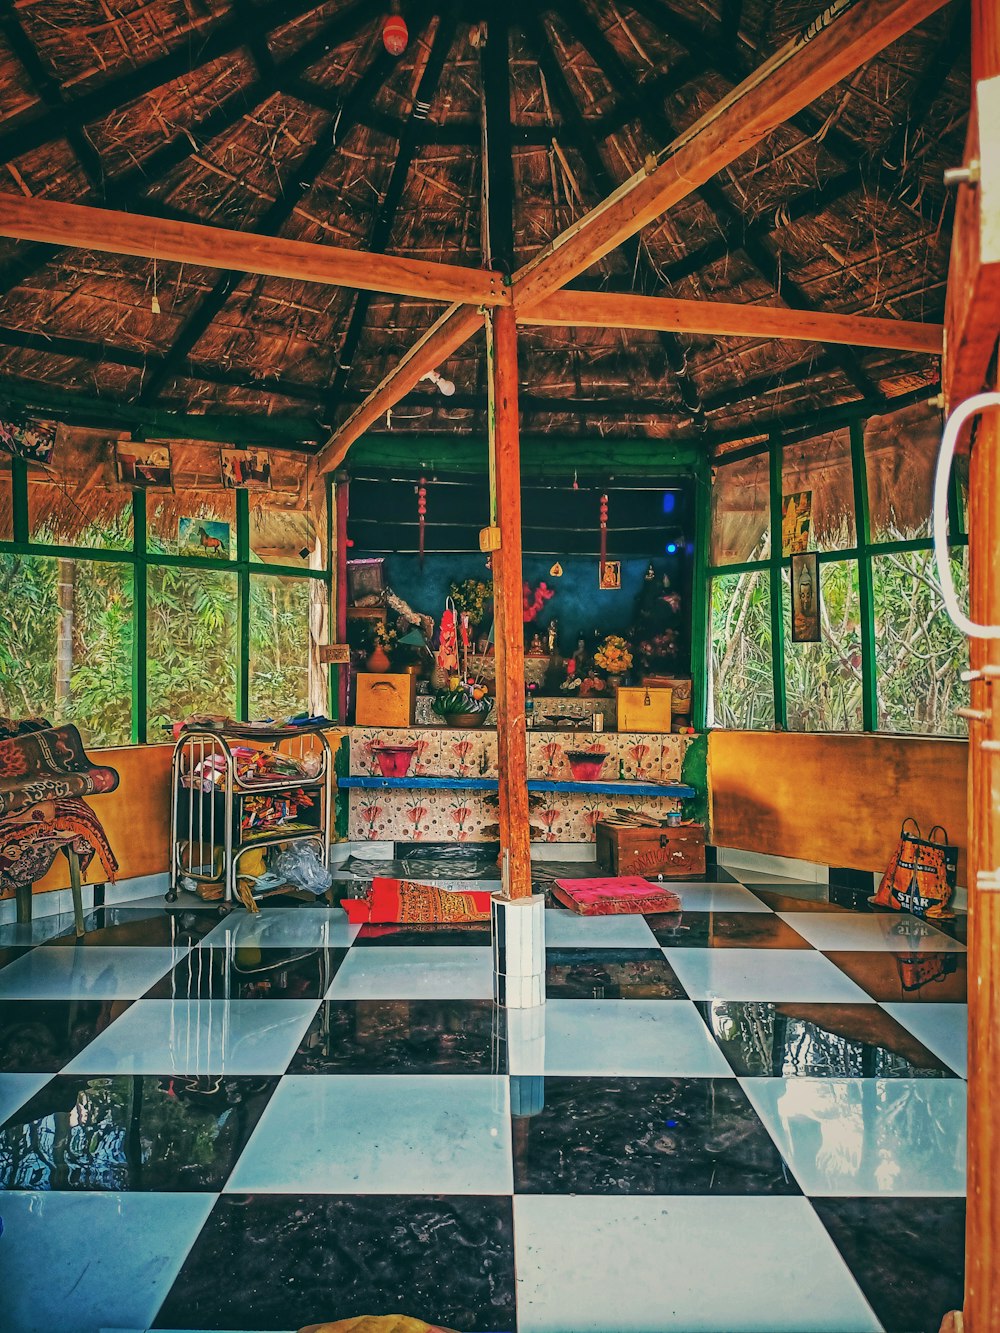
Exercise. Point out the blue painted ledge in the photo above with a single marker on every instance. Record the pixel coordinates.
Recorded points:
(670, 789)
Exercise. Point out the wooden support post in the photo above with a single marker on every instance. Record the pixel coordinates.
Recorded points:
(505, 470)
(982, 1238)
(76, 887)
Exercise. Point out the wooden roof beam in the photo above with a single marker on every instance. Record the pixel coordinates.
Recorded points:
(844, 36)
(725, 319)
(86, 228)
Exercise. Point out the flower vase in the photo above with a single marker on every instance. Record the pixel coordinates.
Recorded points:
(378, 659)
(614, 682)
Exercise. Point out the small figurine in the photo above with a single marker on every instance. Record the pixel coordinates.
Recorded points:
(553, 634)
(535, 648)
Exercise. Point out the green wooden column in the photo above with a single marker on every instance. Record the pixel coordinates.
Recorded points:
(701, 592)
(775, 563)
(869, 683)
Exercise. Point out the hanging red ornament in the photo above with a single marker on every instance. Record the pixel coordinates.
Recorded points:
(395, 34)
(422, 516)
(604, 532)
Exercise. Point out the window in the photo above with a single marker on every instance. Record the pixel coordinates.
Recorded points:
(231, 628)
(888, 658)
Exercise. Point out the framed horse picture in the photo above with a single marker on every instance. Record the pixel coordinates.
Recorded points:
(204, 536)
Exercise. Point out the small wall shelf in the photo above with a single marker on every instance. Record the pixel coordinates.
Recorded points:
(677, 790)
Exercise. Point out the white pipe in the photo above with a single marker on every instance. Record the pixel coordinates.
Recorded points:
(971, 407)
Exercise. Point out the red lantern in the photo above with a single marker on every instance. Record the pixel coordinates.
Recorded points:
(395, 35)
(422, 515)
(604, 532)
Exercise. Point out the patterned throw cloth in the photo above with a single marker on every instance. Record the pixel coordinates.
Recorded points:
(45, 764)
(402, 900)
(29, 842)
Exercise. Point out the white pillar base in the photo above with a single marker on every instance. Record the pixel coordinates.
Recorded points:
(518, 950)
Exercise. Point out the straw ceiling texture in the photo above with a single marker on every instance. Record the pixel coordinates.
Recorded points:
(285, 116)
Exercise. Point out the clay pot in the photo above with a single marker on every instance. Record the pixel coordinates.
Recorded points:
(378, 659)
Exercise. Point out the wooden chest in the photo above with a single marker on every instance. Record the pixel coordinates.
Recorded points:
(674, 853)
(384, 700)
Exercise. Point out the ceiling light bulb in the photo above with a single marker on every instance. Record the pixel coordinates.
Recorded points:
(447, 387)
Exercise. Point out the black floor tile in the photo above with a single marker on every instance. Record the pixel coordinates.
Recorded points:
(921, 978)
(724, 930)
(797, 1040)
(131, 1132)
(644, 1136)
(120, 928)
(424, 934)
(907, 1256)
(250, 973)
(10, 953)
(41, 1036)
(404, 1037)
(813, 898)
(283, 1261)
(610, 974)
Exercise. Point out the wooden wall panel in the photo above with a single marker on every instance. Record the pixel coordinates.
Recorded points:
(838, 800)
(136, 817)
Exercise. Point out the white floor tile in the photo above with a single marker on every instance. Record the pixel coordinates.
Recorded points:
(15, 1090)
(415, 973)
(867, 1136)
(381, 1134)
(762, 974)
(315, 927)
(85, 973)
(896, 931)
(568, 930)
(697, 896)
(943, 1029)
(199, 1037)
(93, 1261)
(701, 1265)
(658, 1038)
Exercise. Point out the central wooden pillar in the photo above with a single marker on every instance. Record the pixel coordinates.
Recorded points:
(505, 504)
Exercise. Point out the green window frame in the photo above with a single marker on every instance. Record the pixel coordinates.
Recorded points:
(140, 560)
(864, 553)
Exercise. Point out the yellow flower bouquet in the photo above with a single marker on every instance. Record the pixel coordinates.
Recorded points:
(614, 655)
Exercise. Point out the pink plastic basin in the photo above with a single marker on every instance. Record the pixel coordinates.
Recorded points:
(394, 760)
(586, 765)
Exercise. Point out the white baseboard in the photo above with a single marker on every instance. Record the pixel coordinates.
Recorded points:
(762, 865)
(60, 901)
(563, 851)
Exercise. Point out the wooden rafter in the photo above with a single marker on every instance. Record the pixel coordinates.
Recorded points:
(88, 228)
(724, 319)
(847, 34)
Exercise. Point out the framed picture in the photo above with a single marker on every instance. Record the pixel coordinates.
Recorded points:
(249, 469)
(796, 521)
(335, 654)
(203, 536)
(30, 440)
(805, 598)
(610, 576)
(146, 465)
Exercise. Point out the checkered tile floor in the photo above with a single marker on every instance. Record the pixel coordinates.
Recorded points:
(749, 1115)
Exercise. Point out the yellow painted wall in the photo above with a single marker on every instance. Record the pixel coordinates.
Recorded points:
(136, 817)
(838, 800)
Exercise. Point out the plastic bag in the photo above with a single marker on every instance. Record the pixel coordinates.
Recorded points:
(300, 865)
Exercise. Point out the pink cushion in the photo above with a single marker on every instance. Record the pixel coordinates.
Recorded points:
(624, 896)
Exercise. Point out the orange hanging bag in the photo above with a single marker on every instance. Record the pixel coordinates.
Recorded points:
(921, 876)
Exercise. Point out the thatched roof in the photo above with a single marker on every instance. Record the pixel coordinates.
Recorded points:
(287, 116)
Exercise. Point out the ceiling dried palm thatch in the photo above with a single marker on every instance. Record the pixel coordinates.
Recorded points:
(287, 117)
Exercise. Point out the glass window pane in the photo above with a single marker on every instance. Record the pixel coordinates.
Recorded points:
(961, 469)
(195, 523)
(79, 503)
(821, 467)
(191, 646)
(741, 680)
(823, 680)
(66, 653)
(287, 625)
(6, 502)
(919, 652)
(901, 453)
(741, 503)
(288, 522)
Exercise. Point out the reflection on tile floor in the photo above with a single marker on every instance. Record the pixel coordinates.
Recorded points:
(606, 974)
(404, 1037)
(131, 1133)
(263, 1123)
(246, 972)
(917, 978)
(763, 1039)
(318, 1255)
(645, 1136)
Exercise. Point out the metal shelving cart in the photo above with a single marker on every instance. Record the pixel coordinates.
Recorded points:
(207, 838)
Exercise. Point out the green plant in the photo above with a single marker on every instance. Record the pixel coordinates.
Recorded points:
(472, 596)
